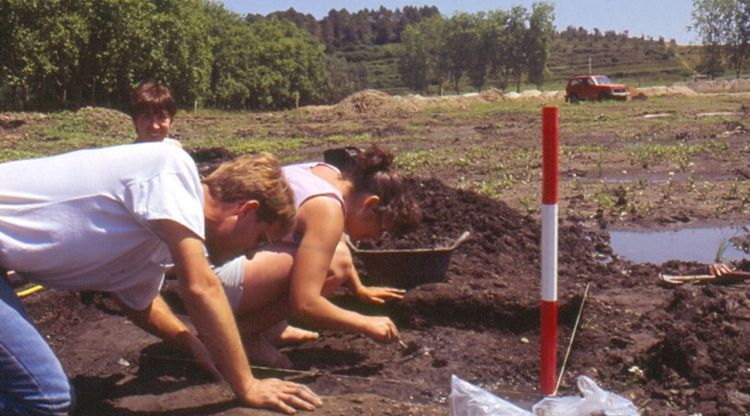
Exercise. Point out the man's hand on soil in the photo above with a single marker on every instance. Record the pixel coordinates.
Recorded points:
(284, 396)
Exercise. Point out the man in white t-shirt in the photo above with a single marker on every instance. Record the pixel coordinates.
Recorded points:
(113, 219)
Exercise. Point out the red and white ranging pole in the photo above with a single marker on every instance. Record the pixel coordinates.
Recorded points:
(550, 146)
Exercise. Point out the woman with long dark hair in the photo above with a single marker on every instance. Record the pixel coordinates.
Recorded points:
(294, 277)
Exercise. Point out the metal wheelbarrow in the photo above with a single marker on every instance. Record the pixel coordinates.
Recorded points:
(406, 268)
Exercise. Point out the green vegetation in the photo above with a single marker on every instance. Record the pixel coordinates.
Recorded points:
(58, 54)
(495, 48)
(724, 28)
(613, 160)
(648, 154)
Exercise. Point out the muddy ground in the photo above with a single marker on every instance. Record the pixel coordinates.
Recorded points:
(671, 350)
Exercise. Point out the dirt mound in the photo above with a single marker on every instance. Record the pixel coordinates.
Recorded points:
(14, 125)
(377, 103)
(705, 344)
(107, 119)
(492, 95)
(671, 91)
(373, 102)
(503, 251)
(12, 120)
(534, 94)
(718, 86)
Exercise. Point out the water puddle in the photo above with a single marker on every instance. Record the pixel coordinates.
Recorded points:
(689, 244)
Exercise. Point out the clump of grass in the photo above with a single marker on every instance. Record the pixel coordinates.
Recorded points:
(7, 155)
(721, 250)
(413, 162)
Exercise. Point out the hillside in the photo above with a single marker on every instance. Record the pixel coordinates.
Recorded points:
(633, 60)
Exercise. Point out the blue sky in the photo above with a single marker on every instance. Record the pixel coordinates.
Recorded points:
(668, 18)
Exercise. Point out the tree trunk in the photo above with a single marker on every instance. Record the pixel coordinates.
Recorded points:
(93, 91)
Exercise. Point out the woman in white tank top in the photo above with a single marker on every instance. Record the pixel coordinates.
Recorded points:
(294, 277)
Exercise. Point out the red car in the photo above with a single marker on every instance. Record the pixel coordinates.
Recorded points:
(594, 87)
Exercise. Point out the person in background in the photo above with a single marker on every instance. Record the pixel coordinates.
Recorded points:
(153, 109)
(294, 277)
(142, 208)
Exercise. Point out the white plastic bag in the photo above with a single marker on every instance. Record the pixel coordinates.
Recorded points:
(467, 399)
(595, 401)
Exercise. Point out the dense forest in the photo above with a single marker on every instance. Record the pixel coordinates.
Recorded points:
(69, 53)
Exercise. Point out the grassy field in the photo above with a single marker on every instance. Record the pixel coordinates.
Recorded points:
(662, 149)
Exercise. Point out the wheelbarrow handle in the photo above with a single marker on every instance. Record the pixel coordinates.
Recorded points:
(461, 239)
(736, 273)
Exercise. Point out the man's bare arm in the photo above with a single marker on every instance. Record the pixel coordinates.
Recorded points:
(158, 319)
(212, 316)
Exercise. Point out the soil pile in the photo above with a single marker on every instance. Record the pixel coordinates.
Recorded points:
(719, 86)
(705, 351)
(378, 103)
(373, 102)
(14, 125)
(106, 118)
(671, 91)
(503, 240)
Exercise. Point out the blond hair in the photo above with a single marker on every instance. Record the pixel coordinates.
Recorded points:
(257, 177)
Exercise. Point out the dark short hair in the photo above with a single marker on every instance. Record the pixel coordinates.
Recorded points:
(151, 97)
(371, 170)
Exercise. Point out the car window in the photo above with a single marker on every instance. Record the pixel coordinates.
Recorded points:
(602, 80)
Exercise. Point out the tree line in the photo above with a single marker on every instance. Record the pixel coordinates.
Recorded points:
(342, 30)
(68, 53)
(497, 47)
(724, 30)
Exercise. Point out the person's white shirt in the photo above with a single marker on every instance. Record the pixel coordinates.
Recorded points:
(80, 220)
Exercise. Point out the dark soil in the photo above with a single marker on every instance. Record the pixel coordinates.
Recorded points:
(672, 350)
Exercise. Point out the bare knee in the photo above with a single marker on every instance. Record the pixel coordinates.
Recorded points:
(340, 272)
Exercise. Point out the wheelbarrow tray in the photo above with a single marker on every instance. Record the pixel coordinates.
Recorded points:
(406, 268)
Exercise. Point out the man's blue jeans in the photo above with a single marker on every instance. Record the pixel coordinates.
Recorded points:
(32, 381)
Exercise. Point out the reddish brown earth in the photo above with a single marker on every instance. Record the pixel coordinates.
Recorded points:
(672, 350)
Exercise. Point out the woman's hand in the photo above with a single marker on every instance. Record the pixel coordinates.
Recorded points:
(381, 329)
(284, 396)
(378, 295)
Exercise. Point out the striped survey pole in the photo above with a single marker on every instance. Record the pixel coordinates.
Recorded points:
(550, 144)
